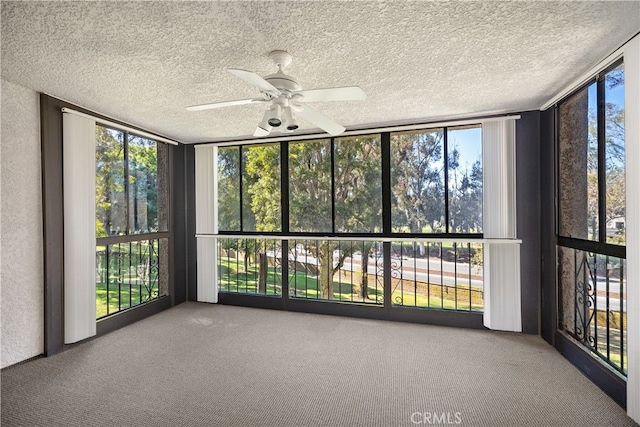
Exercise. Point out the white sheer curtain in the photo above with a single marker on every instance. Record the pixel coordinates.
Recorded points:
(79, 171)
(502, 307)
(206, 223)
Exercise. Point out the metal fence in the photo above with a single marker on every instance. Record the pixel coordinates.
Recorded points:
(436, 275)
(593, 307)
(129, 274)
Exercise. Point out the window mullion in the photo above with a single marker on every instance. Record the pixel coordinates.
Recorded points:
(127, 201)
(284, 186)
(240, 186)
(445, 148)
(385, 141)
(602, 170)
(332, 147)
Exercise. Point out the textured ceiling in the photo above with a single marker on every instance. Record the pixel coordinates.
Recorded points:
(144, 62)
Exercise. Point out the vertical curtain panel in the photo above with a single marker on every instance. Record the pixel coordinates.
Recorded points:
(206, 213)
(502, 306)
(79, 171)
(632, 144)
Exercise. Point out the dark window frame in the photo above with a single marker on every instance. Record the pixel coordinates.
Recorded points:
(127, 190)
(131, 236)
(600, 245)
(386, 197)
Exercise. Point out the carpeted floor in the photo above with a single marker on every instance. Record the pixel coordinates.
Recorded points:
(212, 365)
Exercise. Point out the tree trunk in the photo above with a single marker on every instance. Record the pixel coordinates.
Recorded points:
(245, 259)
(263, 266)
(325, 261)
(364, 278)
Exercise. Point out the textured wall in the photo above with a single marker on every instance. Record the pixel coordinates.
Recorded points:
(21, 233)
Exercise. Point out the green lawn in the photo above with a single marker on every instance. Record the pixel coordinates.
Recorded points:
(346, 286)
(120, 299)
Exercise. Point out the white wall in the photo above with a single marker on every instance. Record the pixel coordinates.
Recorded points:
(21, 244)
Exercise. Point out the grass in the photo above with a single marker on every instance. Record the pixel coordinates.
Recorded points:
(346, 286)
(121, 299)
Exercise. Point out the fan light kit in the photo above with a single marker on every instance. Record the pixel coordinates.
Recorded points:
(288, 100)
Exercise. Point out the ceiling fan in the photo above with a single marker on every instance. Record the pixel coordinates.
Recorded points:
(287, 99)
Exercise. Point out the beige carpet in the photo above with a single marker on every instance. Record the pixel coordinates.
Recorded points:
(210, 365)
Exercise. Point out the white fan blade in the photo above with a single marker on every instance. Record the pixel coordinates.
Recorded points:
(261, 132)
(224, 104)
(350, 93)
(320, 120)
(255, 80)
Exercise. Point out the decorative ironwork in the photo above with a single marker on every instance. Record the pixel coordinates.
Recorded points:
(598, 306)
(127, 274)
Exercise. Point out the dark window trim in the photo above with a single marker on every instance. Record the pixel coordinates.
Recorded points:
(594, 369)
(617, 251)
(386, 199)
(127, 190)
(133, 237)
(598, 373)
(463, 319)
(53, 227)
(399, 236)
(600, 245)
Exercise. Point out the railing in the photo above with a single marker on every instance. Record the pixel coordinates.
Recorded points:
(436, 275)
(129, 274)
(593, 304)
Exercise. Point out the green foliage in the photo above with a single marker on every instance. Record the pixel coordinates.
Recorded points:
(310, 186)
(261, 184)
(465, 200)
(229, 188)
(110, 185)
(111, 202)
(358, 184)
(418, 180)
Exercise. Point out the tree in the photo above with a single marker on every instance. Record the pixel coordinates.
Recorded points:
(110, 185)
(358, 195)
(229, 188)
(417, 181)
(614, 150)
(356, 180)
(465, 200)
(143, 184)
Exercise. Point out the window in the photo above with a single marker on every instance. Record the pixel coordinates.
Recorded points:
(436, 181)
(229, 188)
(614, 148)
(131, 184)
(357, 184)
(325, 201)
(591, 218)
(111, 218)
(418, 183)
(261, 188)
(132, 198)
(310, 201)
(464, 174)
(578, 171)
(591, 161)
(147, 188)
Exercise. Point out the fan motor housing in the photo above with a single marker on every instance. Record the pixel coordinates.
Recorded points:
(283, 82)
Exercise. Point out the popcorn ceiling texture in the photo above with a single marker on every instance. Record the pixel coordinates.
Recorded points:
(21, 243)
(144, 62)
